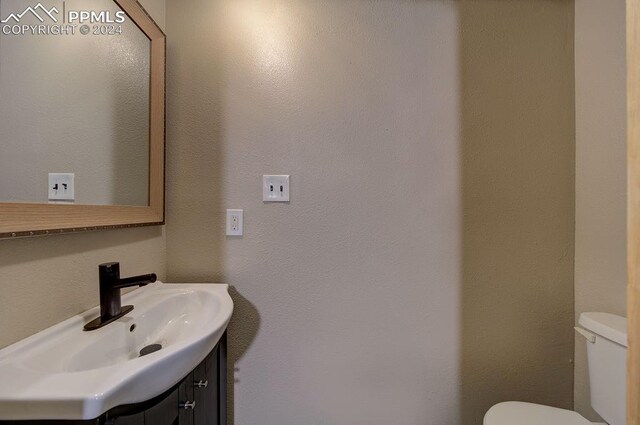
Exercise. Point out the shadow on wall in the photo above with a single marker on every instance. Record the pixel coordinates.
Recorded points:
(517, 112)
(244, 327)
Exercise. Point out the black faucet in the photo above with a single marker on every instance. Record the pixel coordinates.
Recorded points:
(110, 302)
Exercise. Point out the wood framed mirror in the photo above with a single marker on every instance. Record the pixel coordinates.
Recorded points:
(39, 215)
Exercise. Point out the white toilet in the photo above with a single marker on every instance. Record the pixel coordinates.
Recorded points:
(606, 336)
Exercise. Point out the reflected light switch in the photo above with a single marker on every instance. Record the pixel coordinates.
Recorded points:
(61, 187)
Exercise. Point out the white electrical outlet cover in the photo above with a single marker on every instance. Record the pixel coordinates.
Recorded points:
(235, 222)
(61, 187)
(275, 188)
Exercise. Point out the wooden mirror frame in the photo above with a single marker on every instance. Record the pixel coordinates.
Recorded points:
(29, 219)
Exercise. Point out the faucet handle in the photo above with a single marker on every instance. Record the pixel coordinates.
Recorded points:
(109, 270)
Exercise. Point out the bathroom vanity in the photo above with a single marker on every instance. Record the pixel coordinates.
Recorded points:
(198, 399)
(162, 363)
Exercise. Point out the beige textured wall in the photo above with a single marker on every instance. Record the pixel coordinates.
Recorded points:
(423, 269)
(600, 268)
(46, 280)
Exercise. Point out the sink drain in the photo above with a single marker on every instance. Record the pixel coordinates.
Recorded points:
(150, 349)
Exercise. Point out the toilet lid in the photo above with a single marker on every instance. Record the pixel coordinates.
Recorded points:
(518, 413)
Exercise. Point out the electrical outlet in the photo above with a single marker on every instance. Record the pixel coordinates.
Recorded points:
(61, 187)
(235, 225)
(275, 188)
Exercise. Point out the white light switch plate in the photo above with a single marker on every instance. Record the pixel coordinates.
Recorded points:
(61, 187)
(275, 188)
(235, 222)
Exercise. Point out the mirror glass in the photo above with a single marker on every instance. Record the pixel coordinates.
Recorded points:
(74, 99)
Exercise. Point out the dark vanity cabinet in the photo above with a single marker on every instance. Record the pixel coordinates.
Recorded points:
(199, 399)
(199, 389)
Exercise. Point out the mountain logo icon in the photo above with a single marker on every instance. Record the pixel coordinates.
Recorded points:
(38, 11)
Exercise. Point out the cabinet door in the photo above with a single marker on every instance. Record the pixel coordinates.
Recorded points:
(185, 415)
(206, 396)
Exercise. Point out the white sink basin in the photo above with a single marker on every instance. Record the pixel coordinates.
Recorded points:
(66, 373)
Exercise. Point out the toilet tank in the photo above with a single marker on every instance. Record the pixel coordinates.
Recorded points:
(607, 357)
